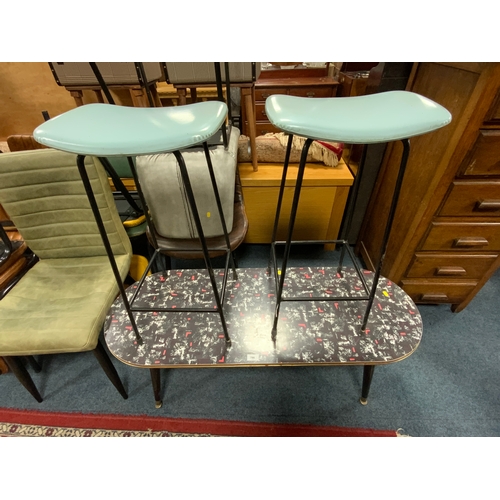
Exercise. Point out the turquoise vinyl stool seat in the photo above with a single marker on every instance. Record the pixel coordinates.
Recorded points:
(106, 130)
(376, 118)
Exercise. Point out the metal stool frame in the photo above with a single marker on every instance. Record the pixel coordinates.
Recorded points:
(219, 296)
(280, 275)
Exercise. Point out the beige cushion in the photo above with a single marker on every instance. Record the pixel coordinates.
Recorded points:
(160, 180)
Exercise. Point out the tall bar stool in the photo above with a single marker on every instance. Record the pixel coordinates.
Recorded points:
(370, 119)
(105, 130)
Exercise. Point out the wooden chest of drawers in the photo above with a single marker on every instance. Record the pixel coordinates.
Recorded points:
(445, 242)
(278, 82)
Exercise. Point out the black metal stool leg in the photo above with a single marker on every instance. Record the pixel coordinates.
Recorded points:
(293, 214)
(80, 162)
(280, 201)
(387, 232)
(108, 367)
(351, 205)
(367, 380)
(18, 369)
(219, 207)
(102, 83)
(201, 235)
(156, 381)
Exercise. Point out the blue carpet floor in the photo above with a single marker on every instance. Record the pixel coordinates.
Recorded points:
(448, 387)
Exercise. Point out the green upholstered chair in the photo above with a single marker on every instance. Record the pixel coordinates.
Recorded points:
(60, 305)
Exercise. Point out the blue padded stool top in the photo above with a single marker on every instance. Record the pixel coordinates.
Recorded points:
(368, 119)
(109, 130)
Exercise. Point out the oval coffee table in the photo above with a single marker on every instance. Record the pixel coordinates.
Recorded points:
(311, 333)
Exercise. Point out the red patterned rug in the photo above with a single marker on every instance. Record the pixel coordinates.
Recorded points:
(56, 424)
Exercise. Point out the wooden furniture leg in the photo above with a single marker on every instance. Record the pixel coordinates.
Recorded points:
(194, 95)
(3, 366)
(108, 367)
(77, 95)
(182, 96)
(367, 380)
(139, 98)
(34, 363)
(155, 379)
(248, 99)
(154, 94)
(99, 96)
(18, 369)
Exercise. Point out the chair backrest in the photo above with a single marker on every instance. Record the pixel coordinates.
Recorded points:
(182, 73)
(114, 73)
(23, 143)
(44, 196)
(166, 197)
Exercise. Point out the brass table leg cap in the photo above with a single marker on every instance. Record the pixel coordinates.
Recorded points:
(158, 404)
(363, 401)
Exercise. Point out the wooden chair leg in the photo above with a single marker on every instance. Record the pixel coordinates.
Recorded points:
(3, 366)
(108, 367)
(99, 96)
(248, 100)
(77, 96)
(18, 369)
(139, 99)
(182, 96)
(34, 363)
(154, 94)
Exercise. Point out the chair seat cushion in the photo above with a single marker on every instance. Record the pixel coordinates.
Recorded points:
(166, 197)
(59, 306)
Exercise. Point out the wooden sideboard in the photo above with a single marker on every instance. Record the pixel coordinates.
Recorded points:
(321, 207)
(445, 241)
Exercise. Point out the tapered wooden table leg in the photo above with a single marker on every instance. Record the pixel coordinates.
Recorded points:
(155, 379)
(367, 380)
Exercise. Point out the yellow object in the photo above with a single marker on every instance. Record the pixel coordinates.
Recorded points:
(134, 222)
(138, 265)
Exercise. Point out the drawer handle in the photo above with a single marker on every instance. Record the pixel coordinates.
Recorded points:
(471, 242)
(487, 205)
(439, 297)
(311, 94)
(265, 96)
(450, 271)
(264, 113)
